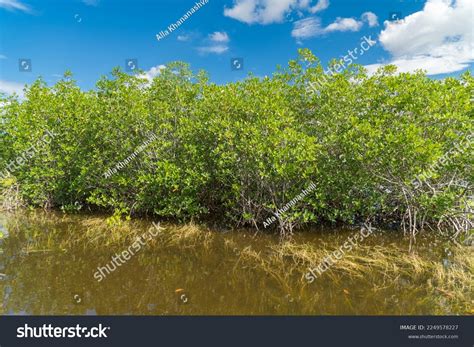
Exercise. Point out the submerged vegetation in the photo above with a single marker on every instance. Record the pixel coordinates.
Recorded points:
(386, 266)
(256, 273)
(234, 154)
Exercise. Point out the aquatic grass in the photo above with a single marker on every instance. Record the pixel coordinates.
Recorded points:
(455, 283)
(54, 231)
(99, 232)
(367, 276)
(189, 236)
(385, 267)
(10, 195)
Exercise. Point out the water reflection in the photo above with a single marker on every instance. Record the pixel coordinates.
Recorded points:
(177, 280)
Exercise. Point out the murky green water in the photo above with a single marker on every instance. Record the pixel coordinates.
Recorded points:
(56, 275)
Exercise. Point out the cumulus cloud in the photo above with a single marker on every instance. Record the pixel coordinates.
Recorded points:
(153, 72)
(306, 28)
(187, 36)
(311, 26)
(344, 24)
(217, 43)
(13, 5)
(219, 36)
(217, 49)
(9, 88)
(91, 2)
(438, 39)
(271, 11)
(370, 18)
(183, 38)
(320, 6)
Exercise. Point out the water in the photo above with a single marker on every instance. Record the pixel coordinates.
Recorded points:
(48, 261)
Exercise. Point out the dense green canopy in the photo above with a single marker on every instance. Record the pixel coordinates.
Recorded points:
(236, 153)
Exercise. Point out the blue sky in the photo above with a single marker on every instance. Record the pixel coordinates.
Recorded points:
(90, 37)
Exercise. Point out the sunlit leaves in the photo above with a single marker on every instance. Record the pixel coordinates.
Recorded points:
(235, 153)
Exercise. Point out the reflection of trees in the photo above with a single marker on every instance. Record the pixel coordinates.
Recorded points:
(211, 277)
(47, 283)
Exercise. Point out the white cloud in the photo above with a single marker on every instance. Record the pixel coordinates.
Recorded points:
(271, 11)
(219, 36)
(217, 43)
(9, 88)
(217, 49)
(91, 2)
(311, 26)
(433, 65)
(344, 24)
(189, 36)
(3, 56)
(183, 38)
(370, 18)
(153, 72)
(14, 5)
(306, 28)
(438, 39)
(320, 6)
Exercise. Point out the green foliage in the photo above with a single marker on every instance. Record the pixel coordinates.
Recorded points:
(235, 153)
